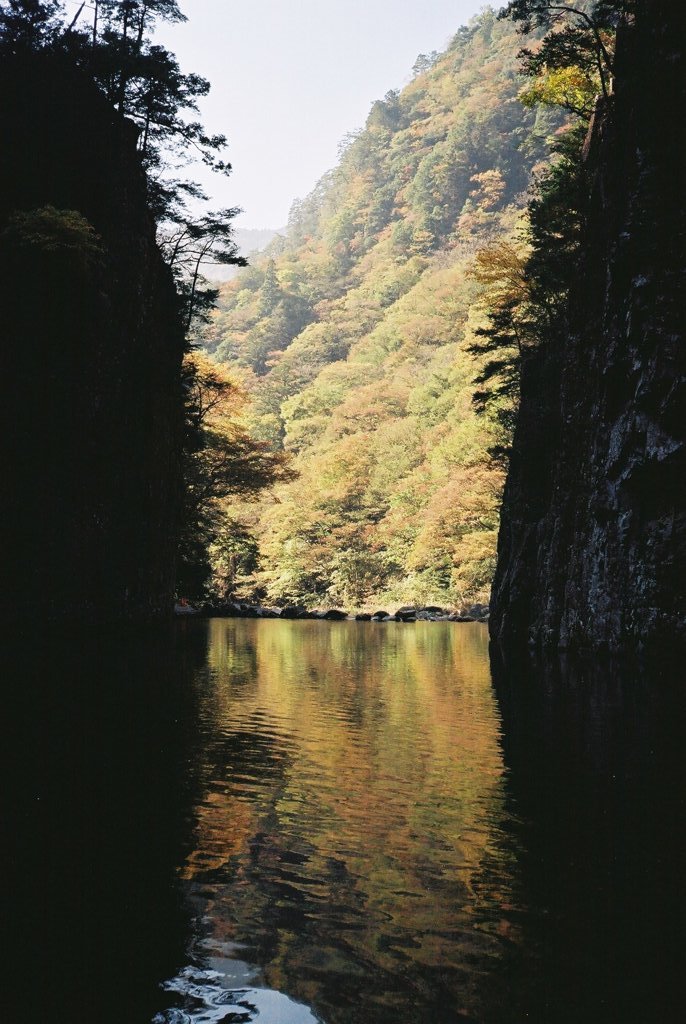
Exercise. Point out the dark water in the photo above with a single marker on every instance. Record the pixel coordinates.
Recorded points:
(290, 822)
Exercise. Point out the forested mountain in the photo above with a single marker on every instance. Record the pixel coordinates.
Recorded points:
(356, 336)
(249, 241)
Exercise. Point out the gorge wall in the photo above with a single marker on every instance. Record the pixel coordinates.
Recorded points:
(92, 348)
(592, 544)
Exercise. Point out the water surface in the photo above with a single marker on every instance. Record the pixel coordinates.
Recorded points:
(337, 822)
(350, 832)
(362, 848)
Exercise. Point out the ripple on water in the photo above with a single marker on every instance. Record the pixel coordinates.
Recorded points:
(216, 996)
(351, 796)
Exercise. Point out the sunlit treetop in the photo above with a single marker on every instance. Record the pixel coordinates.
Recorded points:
(531, 14)
(579, 36)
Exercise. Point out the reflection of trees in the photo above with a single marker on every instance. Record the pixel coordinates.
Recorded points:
(354, 794)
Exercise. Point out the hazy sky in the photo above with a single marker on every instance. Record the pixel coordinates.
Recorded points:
(291, 77)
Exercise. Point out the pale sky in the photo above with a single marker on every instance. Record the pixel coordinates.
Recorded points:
(290, 78)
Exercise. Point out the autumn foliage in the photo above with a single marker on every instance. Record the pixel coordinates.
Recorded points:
(353, 335)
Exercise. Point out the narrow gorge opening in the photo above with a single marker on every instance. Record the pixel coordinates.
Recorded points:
(345, 546)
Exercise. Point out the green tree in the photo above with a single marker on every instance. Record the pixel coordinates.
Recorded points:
(501, 271)
(424, 62)
(526, 299)
(189, 248)
(144, 82)
(579, 34)
(270, 292)
(28, 24)
(120, 26)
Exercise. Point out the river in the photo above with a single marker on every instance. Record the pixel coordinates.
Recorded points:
(341, 822)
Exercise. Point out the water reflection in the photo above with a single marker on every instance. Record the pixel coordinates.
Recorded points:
(385, 836)
(299, 822)
(352, 835)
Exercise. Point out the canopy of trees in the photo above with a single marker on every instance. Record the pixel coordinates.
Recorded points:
(570, 67)
(380, 340)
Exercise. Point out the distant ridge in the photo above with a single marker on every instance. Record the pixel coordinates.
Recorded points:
(250, 241)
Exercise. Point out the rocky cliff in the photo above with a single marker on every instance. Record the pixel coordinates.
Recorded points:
(592, 546)
(91, 356)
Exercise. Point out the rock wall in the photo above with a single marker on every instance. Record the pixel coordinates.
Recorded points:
(92, 346)
(592, 547)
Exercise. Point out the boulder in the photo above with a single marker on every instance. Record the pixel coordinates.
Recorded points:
(293, 611)
(363, 617)
(477, 610)
(335, 613)
(227, 610)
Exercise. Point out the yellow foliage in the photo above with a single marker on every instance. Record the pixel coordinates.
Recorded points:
(500, 270)
(397, 258)
(570, 88)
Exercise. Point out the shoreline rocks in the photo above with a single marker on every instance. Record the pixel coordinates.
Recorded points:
(406, 613)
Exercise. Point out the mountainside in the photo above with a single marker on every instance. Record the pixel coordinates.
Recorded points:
(91, 356)
(249, 241)
(593, 540)
(352, 335)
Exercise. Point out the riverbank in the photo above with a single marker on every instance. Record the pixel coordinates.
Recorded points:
(406, 613)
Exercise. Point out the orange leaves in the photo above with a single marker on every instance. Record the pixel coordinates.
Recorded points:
(373, 394)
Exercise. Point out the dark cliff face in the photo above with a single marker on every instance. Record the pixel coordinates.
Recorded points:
(92, 348)
(592, 547)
